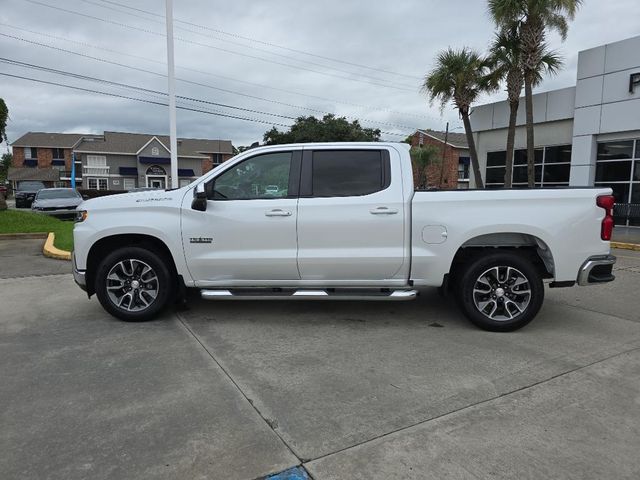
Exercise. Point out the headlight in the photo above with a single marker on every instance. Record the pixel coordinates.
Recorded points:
(81, 216)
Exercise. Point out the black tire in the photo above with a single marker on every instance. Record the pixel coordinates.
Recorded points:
(491, 273)
(134, 258)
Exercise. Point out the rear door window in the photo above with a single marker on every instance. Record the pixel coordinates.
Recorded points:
(346, 173)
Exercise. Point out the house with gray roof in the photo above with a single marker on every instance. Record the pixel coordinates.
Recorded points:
(113, 160)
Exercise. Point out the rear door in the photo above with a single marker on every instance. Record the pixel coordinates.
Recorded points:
(350, 215)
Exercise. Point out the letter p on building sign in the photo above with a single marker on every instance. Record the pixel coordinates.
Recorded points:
(634, 81)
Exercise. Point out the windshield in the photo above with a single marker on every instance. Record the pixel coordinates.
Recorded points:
(30, 185)
(55, 193)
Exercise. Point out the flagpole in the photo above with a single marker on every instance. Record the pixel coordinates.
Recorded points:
(172, 97)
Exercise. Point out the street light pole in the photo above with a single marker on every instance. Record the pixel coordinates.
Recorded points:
(172, 97)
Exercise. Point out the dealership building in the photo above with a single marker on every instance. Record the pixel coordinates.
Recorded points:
(587, 135)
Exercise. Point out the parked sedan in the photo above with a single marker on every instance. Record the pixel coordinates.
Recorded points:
(26, 192)
(61, 202)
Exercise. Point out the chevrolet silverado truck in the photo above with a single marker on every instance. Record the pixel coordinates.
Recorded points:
(340, 221)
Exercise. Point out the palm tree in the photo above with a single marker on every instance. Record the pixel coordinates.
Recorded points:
(422, 158)
(505, 61)
(460, 76)
(534, 18)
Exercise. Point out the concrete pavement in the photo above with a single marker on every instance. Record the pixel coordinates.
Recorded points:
(348, 389)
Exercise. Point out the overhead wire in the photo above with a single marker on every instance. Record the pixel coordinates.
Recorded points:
(162, 75)
(270, 44)
(206, 45)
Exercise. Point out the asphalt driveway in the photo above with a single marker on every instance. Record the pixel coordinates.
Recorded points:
(236, 390)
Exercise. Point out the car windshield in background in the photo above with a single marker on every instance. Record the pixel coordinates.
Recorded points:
(33, 186)
(55, 193)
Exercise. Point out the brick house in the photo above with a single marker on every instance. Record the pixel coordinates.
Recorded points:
(456, 158)
(113, 160)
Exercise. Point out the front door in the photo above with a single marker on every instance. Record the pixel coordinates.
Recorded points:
(247, 235)
(156, 182)
(351, 216)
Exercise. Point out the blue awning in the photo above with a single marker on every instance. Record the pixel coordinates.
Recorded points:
(186, 172)
(31, 163)
(156, 160)
(129, 171)
(58, 162)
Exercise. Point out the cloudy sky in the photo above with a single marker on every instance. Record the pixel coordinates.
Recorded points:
(265, 62)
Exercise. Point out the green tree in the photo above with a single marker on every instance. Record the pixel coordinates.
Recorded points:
(505, 61)
(5, 163)
(4, 117)
(460, 76)
(421, 159)
(533, 19)
(328, 129)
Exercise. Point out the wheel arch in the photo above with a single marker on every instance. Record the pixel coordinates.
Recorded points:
(527, 244)
(108, 244)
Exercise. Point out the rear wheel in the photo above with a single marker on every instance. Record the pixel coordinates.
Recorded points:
(134, 284)
(501, 292)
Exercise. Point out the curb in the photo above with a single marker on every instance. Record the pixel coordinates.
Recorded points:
(52, 252)
(626, 246)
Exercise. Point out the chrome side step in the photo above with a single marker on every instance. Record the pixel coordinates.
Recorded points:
(291, 294)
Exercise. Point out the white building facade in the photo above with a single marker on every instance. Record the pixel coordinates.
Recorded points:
(587, 135)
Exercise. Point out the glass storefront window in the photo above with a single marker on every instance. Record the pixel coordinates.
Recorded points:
(496, 159)
(556, 173)
(615, 150)
(495, 175)
(613, 171)
(520, 156)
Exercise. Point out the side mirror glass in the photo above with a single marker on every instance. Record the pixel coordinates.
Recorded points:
(199, 198)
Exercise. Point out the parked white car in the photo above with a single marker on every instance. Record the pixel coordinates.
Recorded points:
(349, 226)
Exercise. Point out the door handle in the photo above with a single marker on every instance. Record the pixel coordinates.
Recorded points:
(383, 211)
(277, 212)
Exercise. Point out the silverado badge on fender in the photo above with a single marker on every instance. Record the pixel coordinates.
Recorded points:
(201, 240)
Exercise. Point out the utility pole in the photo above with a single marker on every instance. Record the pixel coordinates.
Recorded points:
(172, 97)
(444, 151)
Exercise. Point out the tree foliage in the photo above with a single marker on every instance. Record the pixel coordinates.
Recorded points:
(5, 163)
(459, 77)
(533, 19)
(4, 117)
(421, 158)
(328, 129)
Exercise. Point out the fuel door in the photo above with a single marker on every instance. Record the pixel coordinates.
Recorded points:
(433, 234)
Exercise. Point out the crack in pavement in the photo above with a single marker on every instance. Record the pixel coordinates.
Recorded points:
(270, 422)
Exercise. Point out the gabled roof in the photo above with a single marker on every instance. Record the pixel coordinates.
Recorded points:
(132, 143)
(455, 139)
(121, 142)
(26, 173)
(48, 140)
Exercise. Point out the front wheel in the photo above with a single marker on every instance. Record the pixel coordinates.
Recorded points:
(501, 292)
(133, 284)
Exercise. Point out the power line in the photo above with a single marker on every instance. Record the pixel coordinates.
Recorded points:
(133, 87)
(179, 79)
(153, 102)
(182, 107)
(406, 88)
(243, 45)
(270, 44)
(213, 75)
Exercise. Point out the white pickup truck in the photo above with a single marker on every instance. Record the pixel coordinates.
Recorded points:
(340, 221)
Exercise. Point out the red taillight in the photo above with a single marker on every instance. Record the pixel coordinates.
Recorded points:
(607, 202)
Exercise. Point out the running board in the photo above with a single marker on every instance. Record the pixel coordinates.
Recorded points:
(330, 294)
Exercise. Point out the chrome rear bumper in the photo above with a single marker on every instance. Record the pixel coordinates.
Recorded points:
(597, 270)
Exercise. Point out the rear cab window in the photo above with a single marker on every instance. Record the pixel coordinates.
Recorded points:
(345, 173)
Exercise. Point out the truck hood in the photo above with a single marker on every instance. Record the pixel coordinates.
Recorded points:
(135, 200)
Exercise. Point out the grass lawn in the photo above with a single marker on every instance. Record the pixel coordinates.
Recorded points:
(15, 221)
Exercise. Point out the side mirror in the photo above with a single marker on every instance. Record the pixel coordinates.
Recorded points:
(85, 197)
(199, 198)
